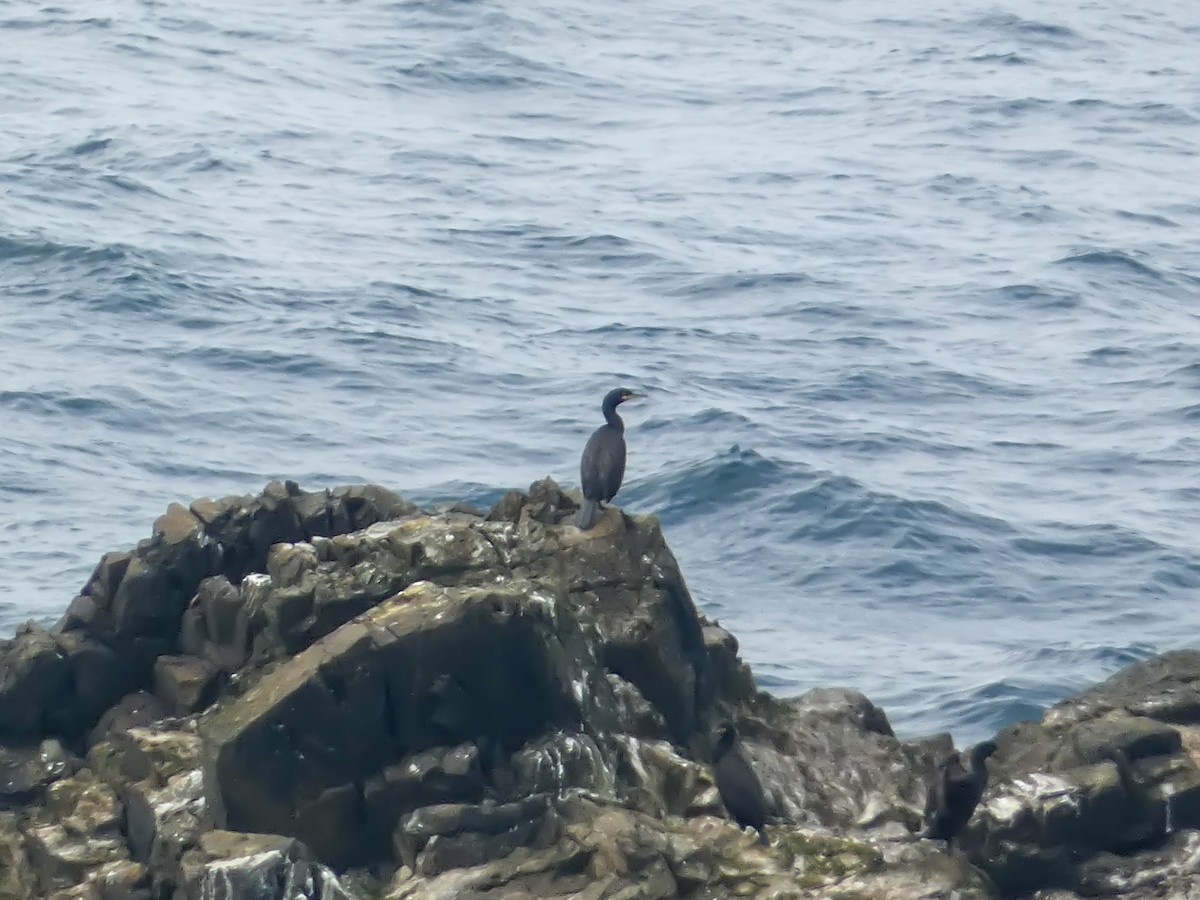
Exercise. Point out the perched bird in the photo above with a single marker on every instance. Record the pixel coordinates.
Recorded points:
(739, 787)
(602, 465)
(955, 793)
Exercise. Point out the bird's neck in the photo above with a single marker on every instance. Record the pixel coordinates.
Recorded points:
(611, 417)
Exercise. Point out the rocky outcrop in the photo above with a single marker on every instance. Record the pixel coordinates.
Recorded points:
(1102, 797)
(130, 613)
(338, 695)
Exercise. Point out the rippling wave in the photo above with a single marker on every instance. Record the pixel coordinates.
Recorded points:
(914, 297)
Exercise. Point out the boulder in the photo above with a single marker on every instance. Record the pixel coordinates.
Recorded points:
(829, 758)
(655, 779)
(25, 771)
(155, 771)
(432, 667)
(185, 684)
(163, 822)
(100, 676)
(135, 710)
(255, 867)
(437, 775)
(137, 606)
(34, 674)
(508, 508)
(162, 576)
(76, 833)
(102, 586)
(154, 753)
(216, 625)
(1091, 798)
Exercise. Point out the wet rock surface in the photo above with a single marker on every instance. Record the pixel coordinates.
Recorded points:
(335, 694)
(1103, 795)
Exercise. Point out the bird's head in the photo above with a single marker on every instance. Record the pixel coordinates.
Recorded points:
(727, 735)
(982, 751)
(617, 396)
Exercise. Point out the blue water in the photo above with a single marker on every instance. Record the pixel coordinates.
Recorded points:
(914, 289)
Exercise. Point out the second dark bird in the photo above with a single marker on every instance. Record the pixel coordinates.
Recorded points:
(602, 466)
(738, 785)
(955, 793)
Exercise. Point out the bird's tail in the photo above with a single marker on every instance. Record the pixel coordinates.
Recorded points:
(762, 837)
(587, 515)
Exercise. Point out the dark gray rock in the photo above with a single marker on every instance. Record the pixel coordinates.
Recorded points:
(557, 763)
(163, 822)
(230, 866)
(1096, 780)
(100, 675)
(310, 593)
(438, 775)
(106, 578)
(26, 771)
(511, 708)
(637, 716)
(223, 623)
(133, 711)
(65, 852)
(732, 678)
(34, 674)
(363, 505)
(438, 838)
(81, 615)
(654, 778)
(546, 502)
(155, 772)
(434, 667)
(185, 684)
(162, 576)
(508, 508)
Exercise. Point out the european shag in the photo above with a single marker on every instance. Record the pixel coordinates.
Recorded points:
(602, 465)
(955, 793)
(739, 787)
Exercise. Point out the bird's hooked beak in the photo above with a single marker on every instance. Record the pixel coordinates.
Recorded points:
(631, 395)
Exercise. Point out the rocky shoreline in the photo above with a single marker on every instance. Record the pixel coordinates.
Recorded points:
(335, 694)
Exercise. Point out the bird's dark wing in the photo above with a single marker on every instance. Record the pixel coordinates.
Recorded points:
(740, 790)
(960, 786)
(939, 805)
(602, 466)
(937, 790)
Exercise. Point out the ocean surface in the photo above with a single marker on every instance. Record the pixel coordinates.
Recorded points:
(914, 289)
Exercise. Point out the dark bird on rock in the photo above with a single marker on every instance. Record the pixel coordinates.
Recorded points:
(955, 793)
(602, 466)
(739, 787)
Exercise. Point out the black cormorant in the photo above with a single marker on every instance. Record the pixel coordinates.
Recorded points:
(955, 793)
(739, 787)
(602, 465)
